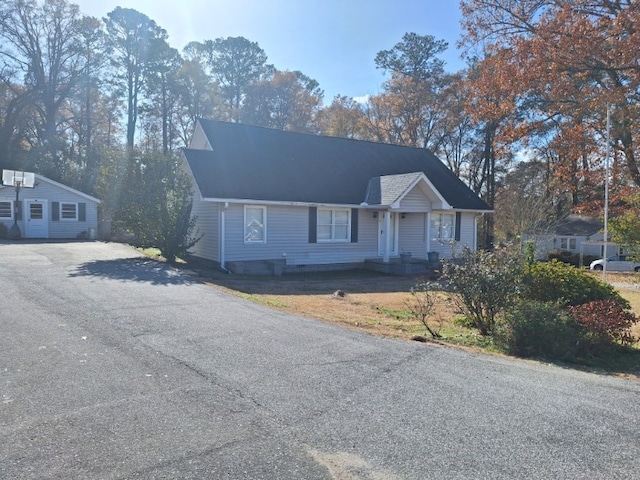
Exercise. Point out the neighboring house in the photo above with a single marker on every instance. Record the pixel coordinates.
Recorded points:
(312, 202)
(579, 235)
(49, 210)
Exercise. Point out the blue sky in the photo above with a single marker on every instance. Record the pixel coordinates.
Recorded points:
(332, 41)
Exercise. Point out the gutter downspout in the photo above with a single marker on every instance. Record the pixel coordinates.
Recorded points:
(223, 221)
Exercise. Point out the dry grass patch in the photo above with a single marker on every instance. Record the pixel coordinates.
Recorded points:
(366, 301)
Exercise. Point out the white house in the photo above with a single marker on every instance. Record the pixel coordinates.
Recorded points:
(299, 201)
(49, 210)
(577, 234)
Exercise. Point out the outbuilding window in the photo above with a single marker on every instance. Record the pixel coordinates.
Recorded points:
(69, 211)
(6, 210)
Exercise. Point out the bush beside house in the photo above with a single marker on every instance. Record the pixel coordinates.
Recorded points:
(541, 309)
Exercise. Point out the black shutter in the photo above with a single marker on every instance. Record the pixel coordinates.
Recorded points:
(82, 212)
(17, 208)
(458, 223)
(313, 224)
(55, 211)
(354, 225)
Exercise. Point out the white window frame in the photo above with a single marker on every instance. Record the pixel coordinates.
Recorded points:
(10, 202)
(68, 219)
(333, 226)
(260, 227)
(570, 243)
(436, 227)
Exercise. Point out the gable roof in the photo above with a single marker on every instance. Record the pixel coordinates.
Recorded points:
(42, 178)
(389, 189)
(579, 226)
(257, 163)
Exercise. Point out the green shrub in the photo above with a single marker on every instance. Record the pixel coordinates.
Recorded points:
(560, 283)
(4, 231)
(536, 329)
(483, 284)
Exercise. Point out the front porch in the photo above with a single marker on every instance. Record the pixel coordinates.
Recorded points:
(401, 266)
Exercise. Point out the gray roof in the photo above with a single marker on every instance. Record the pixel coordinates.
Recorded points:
(389, 188)
(263, 164)
(578, 226)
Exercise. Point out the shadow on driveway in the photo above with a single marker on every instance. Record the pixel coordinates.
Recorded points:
(134, 270)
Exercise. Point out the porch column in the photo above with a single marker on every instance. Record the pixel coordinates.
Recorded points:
(387, 236)
(428, 233)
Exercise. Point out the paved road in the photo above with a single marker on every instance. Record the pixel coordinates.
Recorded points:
(112, 367)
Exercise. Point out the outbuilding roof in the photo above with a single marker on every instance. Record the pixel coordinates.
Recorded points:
(578, 225)
(256, 163)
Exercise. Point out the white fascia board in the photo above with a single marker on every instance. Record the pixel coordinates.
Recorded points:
(423, 177)
(248, 201)
(444, 205)
(187, 169)
(199, 135)
(467, 210)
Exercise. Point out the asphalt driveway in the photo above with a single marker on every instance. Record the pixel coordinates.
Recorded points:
(115, 367)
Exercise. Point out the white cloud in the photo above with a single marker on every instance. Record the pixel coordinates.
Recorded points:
(362, 100)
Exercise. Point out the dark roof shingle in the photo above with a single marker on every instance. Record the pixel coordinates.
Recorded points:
(249, 162)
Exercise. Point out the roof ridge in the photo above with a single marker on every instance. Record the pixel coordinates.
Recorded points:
(314, 135)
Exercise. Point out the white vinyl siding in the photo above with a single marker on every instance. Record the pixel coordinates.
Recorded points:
(415, 201)
(68, 211)
(288, 239)
(412, 234)
(50, 193)
(334, 225)
(288, 236)
(255, 224)
(208, 228)
(6, 210)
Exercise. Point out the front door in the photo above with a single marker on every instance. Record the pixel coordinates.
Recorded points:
(36, 224)
(393, 232)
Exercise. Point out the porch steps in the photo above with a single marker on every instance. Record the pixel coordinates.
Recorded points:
(396, 266)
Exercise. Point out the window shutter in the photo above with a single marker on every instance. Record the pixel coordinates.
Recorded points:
(17, 209)
(458, 225)
(354, 225)
(82, 212)
(55, 211)
(313, 224)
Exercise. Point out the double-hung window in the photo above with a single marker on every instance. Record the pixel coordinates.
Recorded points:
(443, 226)
(334, 225)
(6, 210)
(567, 243)
(255, 224)
(69, 211)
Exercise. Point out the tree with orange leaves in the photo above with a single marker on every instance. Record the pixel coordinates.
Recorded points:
(560, 65)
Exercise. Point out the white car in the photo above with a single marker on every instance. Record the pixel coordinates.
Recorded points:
(616, 263)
